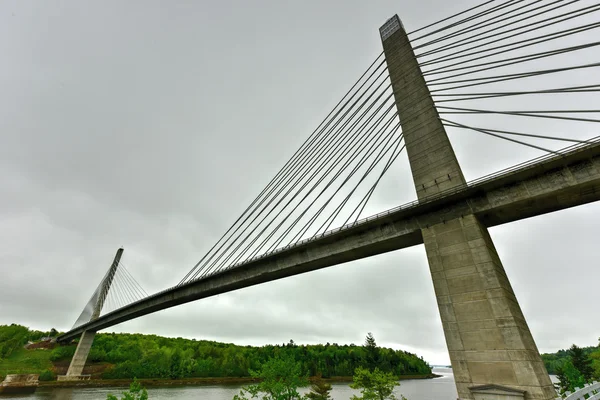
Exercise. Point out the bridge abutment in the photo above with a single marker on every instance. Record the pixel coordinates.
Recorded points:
(489, 342)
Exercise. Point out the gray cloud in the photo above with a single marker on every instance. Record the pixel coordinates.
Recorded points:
(151, 125)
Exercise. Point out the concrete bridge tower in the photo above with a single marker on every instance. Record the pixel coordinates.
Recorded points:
(492, 351)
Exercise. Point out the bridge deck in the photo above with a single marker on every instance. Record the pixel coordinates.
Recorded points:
(540, 186)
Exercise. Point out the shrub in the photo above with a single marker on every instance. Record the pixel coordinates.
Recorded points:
(62, 352)
(47, 375)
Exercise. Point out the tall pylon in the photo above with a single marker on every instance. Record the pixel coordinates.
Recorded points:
(491, 348)
(87, 337)
(106, 285)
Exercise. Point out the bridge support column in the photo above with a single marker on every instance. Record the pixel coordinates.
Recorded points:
(80, 357)
(486, 333)
(492, 351)
(87, 337)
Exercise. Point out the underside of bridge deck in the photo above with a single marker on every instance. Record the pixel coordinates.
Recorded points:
(551, 185)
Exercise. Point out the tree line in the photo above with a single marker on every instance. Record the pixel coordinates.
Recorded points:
(149, 356)
(140, 356)
(574, 367)
(281, 377)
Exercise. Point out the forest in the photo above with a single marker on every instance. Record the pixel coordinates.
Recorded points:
(151, 356)
(554, 361)
(574, 367)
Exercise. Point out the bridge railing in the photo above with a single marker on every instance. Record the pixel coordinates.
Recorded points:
(588, 392)
(479, 181)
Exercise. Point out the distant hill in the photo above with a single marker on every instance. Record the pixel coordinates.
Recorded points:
(125, 356)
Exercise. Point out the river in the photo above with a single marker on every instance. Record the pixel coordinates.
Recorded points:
(419, 389)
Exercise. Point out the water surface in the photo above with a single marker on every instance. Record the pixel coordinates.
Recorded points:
(419, 389)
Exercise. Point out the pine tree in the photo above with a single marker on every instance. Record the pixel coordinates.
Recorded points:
(370, 340)
(581, 361)
(372, 356)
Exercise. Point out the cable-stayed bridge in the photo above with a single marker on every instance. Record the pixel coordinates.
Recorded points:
(519, 72)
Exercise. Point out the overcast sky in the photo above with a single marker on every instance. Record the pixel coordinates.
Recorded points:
(152, 124)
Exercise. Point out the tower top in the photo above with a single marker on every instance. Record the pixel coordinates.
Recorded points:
(390, 26)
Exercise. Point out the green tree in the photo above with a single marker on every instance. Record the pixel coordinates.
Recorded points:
(176, 370)
(319, 390)
(554, 361)
(136, 392)
(581, 362)
(569, 378)
(595, 357)
(12, 337)
(376, 385)
(280, 379)
(372, 351)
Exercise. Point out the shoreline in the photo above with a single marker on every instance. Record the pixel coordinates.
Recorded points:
(191, 381)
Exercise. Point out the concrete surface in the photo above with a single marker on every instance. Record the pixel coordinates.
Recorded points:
(486, 333)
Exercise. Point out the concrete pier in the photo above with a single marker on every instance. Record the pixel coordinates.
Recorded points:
(486, 333)
(81, 354)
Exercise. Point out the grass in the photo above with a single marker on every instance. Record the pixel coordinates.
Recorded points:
(24, 361)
